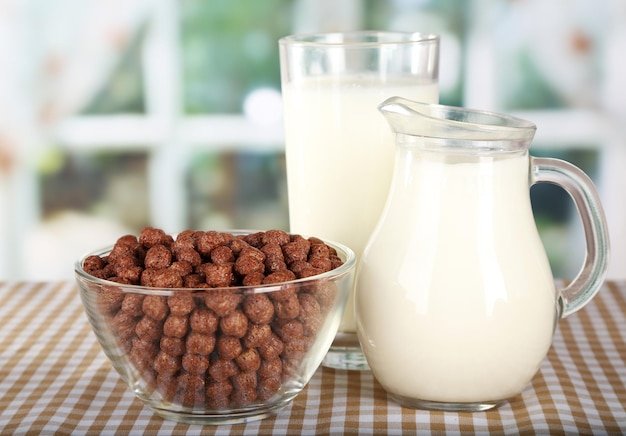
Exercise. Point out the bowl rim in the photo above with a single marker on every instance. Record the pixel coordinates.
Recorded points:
(344, 252)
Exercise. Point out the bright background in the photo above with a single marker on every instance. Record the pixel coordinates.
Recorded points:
(117, 114)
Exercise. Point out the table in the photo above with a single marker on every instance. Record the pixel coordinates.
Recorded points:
(55, 379)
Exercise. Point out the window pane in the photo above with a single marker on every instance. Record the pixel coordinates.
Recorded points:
(112, 185)
(123, 92)
(229, 49)
(237, 190)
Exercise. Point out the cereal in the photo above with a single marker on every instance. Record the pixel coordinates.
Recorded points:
(320, 262)
(279, 277)
(238, 244)
(188, 254)
(165, 364)
(200, 343)
(257, 335)
(244, 380)
(150, 236)
(131, 273)
(167, 278)
(287, 308)
(222, 301)
(172, 346)
(167, 385)
(273, 264)
(181, 304)
(253, 279)
(182, 268)
(219, 345)
(218, 394)
(176, 326)
(222, 254)
(194, 281)
(228, 347)
(92, 264)
(234, 324)
(272, 348)
(270, 368)
(124, 324)
(110, 299)
(244, 397)
(249, 360)
(222, 369)
(294, 252)
(132, 304)
(267, 387)
(278, 237)
(258, 308)
(249, 263)
(158, 256)
(155, 306)
(148, 329)
(195, 363)
(191, 388)
(219, 276)
(310, 313)
(273, 249)
(202, 320)
(254, 239)
(207, 241)
(142, 353)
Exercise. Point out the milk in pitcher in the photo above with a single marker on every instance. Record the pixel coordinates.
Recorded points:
(472, 309)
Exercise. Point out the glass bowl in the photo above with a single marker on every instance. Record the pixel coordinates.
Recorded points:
(216, 355)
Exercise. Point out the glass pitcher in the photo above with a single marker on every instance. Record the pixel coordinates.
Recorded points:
(456, 304)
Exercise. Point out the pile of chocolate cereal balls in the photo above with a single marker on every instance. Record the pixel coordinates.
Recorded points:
(215, 346)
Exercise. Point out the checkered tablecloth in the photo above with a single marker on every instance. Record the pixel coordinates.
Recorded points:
(55, 379)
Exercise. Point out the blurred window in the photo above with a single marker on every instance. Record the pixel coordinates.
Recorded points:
(190, 136)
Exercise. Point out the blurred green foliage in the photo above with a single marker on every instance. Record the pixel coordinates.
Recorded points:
(229, 49)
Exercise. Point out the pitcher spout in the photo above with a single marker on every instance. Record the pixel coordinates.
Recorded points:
(434, 121)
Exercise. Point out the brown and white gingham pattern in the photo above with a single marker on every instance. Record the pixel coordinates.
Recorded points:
(55, 380)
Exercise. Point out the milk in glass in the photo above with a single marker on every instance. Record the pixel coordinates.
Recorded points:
(339, 152)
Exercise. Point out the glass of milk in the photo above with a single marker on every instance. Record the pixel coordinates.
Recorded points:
(339, 149)
(456, 304)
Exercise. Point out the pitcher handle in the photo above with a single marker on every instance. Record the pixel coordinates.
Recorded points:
(585, 196)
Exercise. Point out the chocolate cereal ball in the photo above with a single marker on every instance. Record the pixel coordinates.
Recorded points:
(267, 387)
(218, 394)
(222, 369)
(110, 300)
(200, 343)
(166, 364)
(219, 276)
(181, 305)
(155, 306)
(148, 329)
(176, 326)
(258, 308)
(249, 360)
(150, 236)
(203, 320)
(158, 256)
(132, 304)
(257, 335)
(195, 363)
(234, 324)
(228, 347)
(173, 346)
(222, 301)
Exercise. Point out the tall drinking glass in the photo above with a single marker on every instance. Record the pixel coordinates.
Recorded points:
(339, 149)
